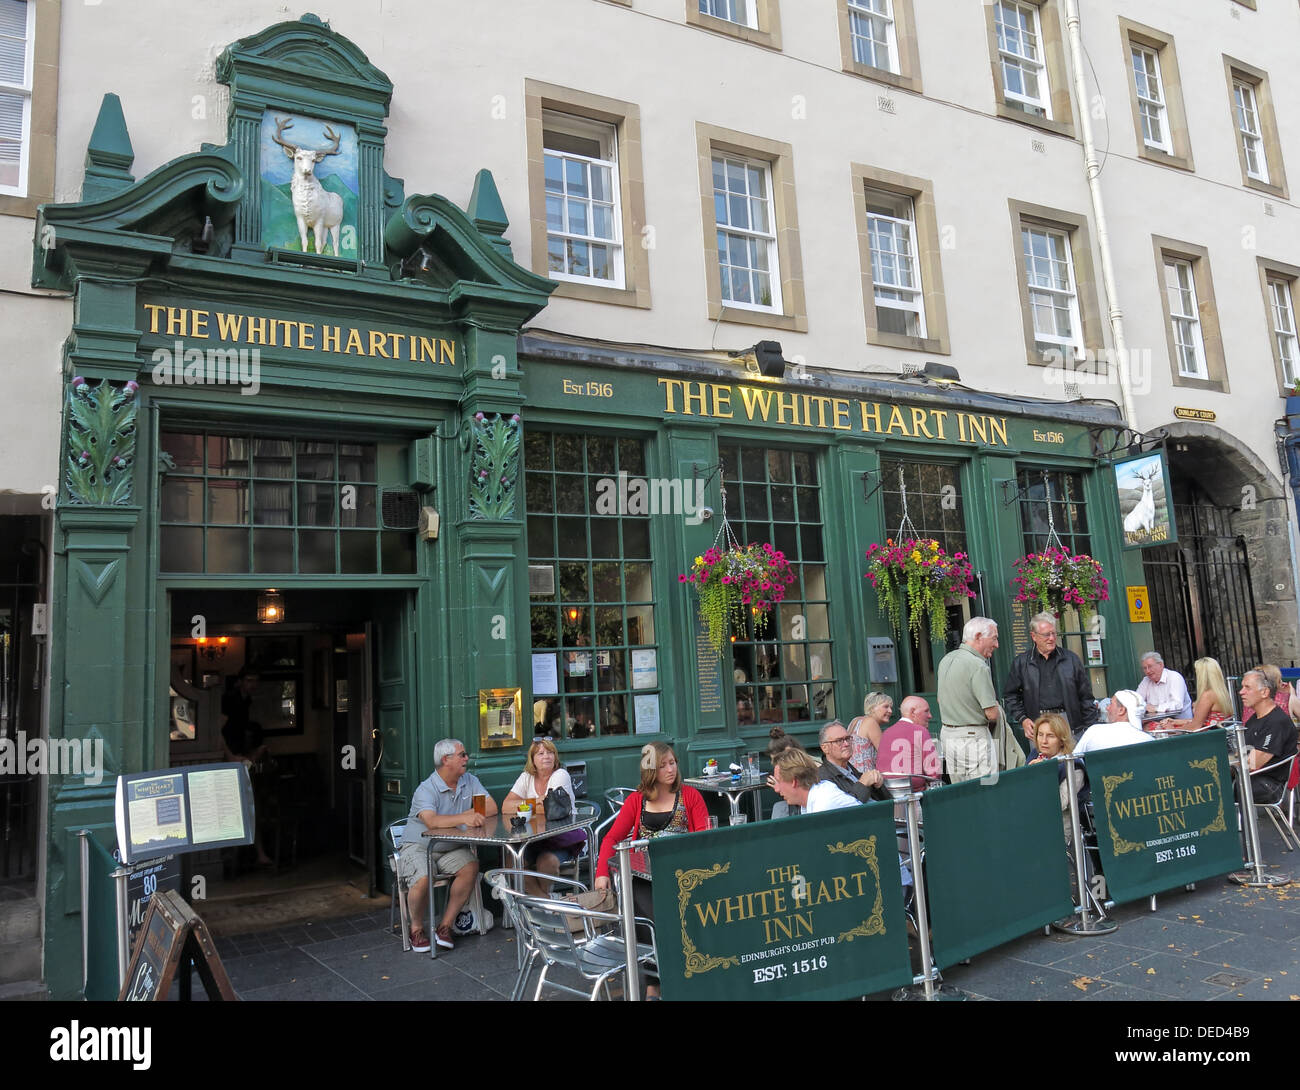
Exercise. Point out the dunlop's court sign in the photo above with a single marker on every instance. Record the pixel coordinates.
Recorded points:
(805, 907)
(1165, 813)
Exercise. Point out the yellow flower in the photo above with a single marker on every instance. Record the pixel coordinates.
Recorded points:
(916, 556)
(934, 546)
(699, 561)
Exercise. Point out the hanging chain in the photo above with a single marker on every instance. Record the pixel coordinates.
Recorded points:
(906, 524)
(1052, 537)
(725, 527)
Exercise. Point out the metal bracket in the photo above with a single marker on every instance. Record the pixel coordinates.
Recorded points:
(1110, 441)
(867, 492)
(714, 469)
(1008, 483)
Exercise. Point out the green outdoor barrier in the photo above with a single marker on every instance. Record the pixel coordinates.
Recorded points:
(102, 974)
(995, 863)
(808, 907)
(1164, 812)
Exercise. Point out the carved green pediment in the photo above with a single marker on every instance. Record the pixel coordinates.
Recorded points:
(305, 63)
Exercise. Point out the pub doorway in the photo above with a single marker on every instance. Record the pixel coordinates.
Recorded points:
(285, 680)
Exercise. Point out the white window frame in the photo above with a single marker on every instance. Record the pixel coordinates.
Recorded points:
(900, 229)
(872, 13)
(747, 233)
(727, 9)
(1185, 320)
(1053, 292)
(1011, 58)
(23, 91)
(1282, 310)
(1149, 84)
(1245, 106)
(607, 134)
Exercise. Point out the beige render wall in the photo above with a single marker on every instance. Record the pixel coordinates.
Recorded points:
(459, 74)
(32, 330)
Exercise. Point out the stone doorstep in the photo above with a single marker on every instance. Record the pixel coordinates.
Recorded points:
(20, 920)
(24, 991)
(20, 961)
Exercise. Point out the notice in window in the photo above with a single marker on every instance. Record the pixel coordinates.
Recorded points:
(646, 708)
(215, 806)
(546, 675)
(645, 669)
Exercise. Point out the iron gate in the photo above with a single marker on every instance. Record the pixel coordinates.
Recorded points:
(1201, 598)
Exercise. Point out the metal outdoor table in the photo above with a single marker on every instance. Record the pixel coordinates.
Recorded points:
(734, 790)
(496, 830)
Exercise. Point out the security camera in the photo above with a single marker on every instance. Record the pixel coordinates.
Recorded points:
(706, 513)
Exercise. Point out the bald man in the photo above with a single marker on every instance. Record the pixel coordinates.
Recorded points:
(908, 746)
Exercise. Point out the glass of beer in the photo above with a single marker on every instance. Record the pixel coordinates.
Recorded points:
(531, 803)
(480, 804)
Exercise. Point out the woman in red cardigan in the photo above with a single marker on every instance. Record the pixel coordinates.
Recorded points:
(662, 806)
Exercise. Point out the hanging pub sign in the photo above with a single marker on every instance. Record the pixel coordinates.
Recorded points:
(1146, 507)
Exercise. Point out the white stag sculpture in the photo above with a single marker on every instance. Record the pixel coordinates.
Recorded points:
(313, 204)
(1143, 516)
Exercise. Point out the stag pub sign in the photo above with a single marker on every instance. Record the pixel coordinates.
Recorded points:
(1146, 503)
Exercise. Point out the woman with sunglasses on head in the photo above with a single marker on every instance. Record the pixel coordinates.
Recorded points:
(866, 729)
(543, 772)
(661, 806)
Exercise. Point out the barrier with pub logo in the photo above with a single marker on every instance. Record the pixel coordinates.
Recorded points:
(1164, 813)
(803, 907)
(995, 862)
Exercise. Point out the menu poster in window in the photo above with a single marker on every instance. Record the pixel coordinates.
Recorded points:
(645, 669)
(646, 708)
(577, 663)
(546, 675)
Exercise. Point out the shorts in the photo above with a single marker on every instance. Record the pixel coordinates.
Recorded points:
(413, 861)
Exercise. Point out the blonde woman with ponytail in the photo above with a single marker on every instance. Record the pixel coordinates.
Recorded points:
(1213, 700)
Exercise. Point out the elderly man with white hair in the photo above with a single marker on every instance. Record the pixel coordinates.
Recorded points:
(1163, 691)
(968, 705)
(1123, 726)
(444, 801)
(1048, 678)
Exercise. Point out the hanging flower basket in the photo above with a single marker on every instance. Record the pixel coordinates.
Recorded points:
(921, 574)
(1054, 579)
(742, 581)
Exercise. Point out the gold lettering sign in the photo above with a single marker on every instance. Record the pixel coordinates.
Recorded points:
(758, 404)
(260, 331)
(1195, 414)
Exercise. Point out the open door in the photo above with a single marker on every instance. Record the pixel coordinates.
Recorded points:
(391, 717)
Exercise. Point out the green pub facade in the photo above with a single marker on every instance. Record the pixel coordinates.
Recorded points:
(303, 433)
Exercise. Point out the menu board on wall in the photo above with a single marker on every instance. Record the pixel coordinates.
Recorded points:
(708, 668)
(1019, 627)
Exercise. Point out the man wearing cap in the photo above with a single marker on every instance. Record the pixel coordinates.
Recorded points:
(1123, 726)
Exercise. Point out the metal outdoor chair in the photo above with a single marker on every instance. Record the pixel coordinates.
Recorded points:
(399, 904)
(614, 797)
(1283, 822)
(543, 931)
(583, 810)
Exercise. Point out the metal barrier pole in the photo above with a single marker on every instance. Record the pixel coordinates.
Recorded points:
(120, 878)
(1085, 924)
(928, 972)
(1254, 876)
(82, 834)
(632, 986)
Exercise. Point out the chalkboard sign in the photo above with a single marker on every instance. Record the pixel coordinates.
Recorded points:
(172, 936)
(146, 879)
(707, 669)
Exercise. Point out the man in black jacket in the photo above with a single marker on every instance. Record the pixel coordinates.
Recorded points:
(1048, 678)
(835, 767)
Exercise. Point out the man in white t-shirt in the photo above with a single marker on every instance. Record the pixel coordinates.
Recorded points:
(794, 778)
(1123, 726)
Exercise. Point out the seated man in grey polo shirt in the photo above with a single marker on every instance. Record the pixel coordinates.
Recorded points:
(444, 801)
